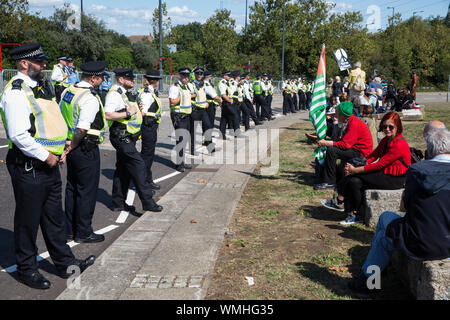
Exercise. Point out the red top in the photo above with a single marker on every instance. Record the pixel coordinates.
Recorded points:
(389, 160)
(357, 136)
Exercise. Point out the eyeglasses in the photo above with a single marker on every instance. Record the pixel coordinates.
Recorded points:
(390, 126)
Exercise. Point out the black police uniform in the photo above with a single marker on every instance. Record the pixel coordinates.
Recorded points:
(38, 195)
(229, 115)
(149, 132)
(129, 164)
(83, 172)
(211, 110)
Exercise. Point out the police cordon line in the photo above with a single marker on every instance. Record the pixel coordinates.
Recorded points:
(65, 122)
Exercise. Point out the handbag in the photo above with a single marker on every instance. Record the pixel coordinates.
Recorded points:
(358, 161)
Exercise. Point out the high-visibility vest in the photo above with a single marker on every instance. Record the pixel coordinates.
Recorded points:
(257, 87)
(70, 108)
(65, 82)
(155, 105)
(49, 128)
(185, 105)
(134, 124)
(232, 88)
(200, 99)
(240, 92)
(288, 88)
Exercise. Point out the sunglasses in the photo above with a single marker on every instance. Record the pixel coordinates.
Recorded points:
(390, 126)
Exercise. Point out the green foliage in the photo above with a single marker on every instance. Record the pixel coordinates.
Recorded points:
(144, 55)
(119, 58)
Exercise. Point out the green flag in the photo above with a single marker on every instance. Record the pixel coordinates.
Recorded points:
(317, 111)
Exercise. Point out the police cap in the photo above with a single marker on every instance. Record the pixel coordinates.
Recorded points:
(264, 74)
(245, 74)
(207, 73)
(69, 60)
(184, 71)
(97, 68)
(152, 74)
(235, 73)
(124, 72)
(31, 51)
(258, 75)
(62, 58)
(226, 73)
(199, 70)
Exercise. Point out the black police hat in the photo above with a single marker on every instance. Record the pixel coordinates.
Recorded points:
(245, 74)
(69, 60)
(258, 75)
(199, 70)
(124, 72)
(207, 73)
(235, 73)
(29, 51)
(62, 58)
(226, 73)
(152, 74)
(265, 74)
(96, 68)
(185, 71)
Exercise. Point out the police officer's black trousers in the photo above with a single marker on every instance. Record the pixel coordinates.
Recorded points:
(129, 166)
(38, 196)
(268, 99)
(149, 138)
(211, 111)
(245, 115)
(251, 110)
(288, 105)
(308, 100)
(295, 101)
(229, 114)
(200, 115)
(301, 100)
(83, 175)
(261, 106)
(185, 124)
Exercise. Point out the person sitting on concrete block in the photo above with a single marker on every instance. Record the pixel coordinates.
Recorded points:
(423, 233)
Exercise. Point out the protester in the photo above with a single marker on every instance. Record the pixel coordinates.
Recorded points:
(423, 233)
(356, 141)
(338, 88)
(391, 96)
(385, 169)
(414, 84)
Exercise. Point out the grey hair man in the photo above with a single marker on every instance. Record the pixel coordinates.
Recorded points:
(423, 233)
(430, 126)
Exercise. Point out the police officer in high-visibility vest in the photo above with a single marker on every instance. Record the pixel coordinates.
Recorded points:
(262, 111)
(60, 77)
(180, 95)
(36, 134)
(126, 120)
(270, 93)
(213, 99)
(229, 92)
(151, 109)
(199, 111)
(309, 88)
(83, 112)
(265, 87)
(248, 98)
(301, 95)
(239, 101)
(294, 93)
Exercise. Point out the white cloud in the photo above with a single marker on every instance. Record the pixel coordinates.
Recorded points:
(45, 3)
(340, 7)
(182, 12)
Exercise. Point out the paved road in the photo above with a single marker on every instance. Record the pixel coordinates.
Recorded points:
(104, 219)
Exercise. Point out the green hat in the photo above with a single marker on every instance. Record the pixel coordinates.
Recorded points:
(346, 108)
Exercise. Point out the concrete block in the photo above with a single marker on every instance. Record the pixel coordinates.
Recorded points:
(412, 115)
(378, 201)
(426, 280)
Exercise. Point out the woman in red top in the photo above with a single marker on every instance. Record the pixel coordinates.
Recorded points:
(389, 172)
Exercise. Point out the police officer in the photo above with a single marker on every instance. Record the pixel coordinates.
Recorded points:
(270, 95)
(199, 110)
(309, 88)
(228, 91)
(72, 72)
(60, 77)
(239, 101)
(265, 85)
(294, 93)
(83, 112)
(37, 133)
(301, 95)
(213, 100)
(248, 98)
(151, 109)
(125, 130)
(180, 95)
(262, 111)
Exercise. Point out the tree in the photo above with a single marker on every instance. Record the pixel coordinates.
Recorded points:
(166, 22)
(144, 55)
(119, 58)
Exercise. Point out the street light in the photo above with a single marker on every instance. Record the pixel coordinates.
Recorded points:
(282, 49)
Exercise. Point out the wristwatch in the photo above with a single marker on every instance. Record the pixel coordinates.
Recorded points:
(128, 115)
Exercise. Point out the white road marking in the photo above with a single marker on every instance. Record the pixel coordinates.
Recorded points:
(71, 244)
(132, 194)
(3, 146)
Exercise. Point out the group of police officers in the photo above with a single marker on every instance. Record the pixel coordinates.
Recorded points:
(65, 123)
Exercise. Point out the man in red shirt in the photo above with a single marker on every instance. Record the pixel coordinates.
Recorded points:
(355, 142)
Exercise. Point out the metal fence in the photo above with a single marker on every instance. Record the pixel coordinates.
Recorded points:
(166, 81)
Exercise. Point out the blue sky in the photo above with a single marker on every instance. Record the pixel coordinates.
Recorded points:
(134, 17)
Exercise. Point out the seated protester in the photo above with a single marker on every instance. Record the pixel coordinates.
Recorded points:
(368, 118)
(391, 96)
(394, 158)
(373, 98)
(408, 101)
(423, 233)
(356, 141)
